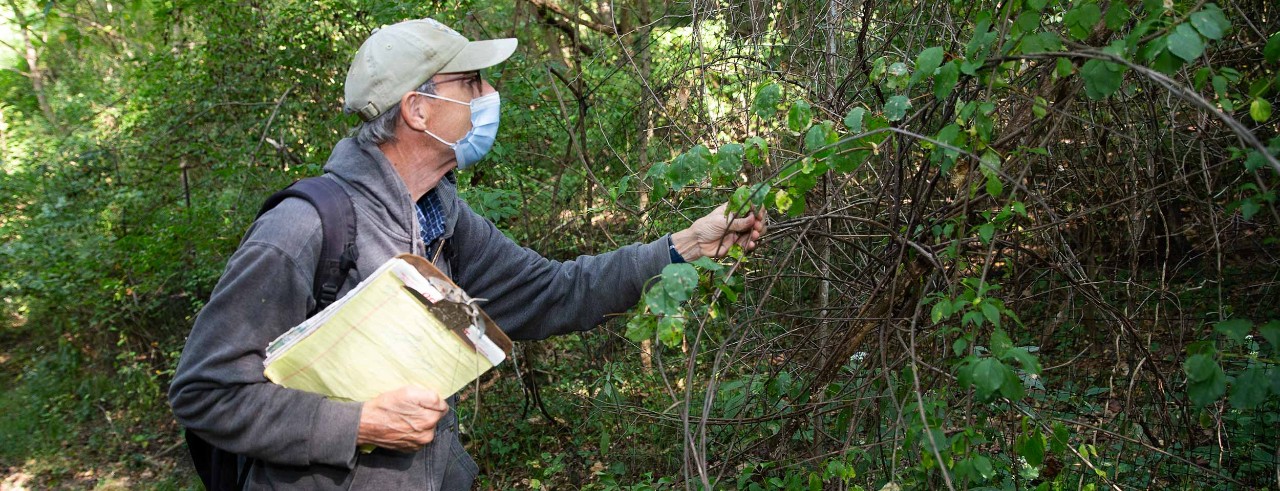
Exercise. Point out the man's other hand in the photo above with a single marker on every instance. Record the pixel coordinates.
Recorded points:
(403, 419)
(712, 235)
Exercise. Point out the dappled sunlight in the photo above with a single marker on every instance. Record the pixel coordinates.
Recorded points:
(1015, 245)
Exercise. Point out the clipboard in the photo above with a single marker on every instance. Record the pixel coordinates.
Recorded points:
(406, 323)
(449, 301)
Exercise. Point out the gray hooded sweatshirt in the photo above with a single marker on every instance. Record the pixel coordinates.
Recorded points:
(305, 441)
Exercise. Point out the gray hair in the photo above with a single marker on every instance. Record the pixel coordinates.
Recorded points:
(382, 129)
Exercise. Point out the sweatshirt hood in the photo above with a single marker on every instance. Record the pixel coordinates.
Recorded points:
(371, 174)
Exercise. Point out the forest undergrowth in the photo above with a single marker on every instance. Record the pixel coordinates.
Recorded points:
(1026, 244)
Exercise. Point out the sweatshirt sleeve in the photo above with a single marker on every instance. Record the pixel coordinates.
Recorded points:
(532, 297)
(219, 390)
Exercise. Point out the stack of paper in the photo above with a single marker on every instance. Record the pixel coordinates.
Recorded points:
(406, 324)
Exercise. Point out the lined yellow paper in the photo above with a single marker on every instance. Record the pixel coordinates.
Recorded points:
(379, 337)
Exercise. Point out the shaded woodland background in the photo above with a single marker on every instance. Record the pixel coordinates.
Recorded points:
(1026, 244)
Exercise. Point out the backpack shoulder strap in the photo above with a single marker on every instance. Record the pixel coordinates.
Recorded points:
(338, 252)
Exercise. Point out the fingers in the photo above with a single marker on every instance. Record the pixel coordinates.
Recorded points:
(742, 224)
(426, 399)
(403, 419)
(746, 230)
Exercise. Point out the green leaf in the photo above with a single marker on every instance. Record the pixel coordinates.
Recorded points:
(896, 77)
(756, 151)
(853, 120)
(782, 200)
(995, 188)
(1250, 388)
(986, 231)
(818, 137)
(988, 375)
(765, 104)
(897, 107)
(941, 310)
(1234, 329)
(1101, 78)
(1200, 367)
(1032, 448)
(945, 156)
(1249, 208)
(680, 280)
(1028, 21)
(1012, 387)
(799, 117)
(959, 346)
(1165, 62)
(1117, 16)
(671, 331)
(945, 80)
(688, 166)
(797, 205)
(659, 302)
(1271, 332)
(1185, 42)
(999, 340)
(1271, 52)
(1036, 5)
(1260, 110)
(1061, 439)
(1080, 20)
(740, 201)
(848, 159)
(759, 192)
(729, 158)
(983, 466)
(1254, 161)
(1029, 362)
(641, 328)
(707, 264)
(1211, 22)
(1041, 108)
(926, 63)
(1063, 68)
(1206, 381)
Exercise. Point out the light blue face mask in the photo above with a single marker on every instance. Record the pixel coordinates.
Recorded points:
(484, 129)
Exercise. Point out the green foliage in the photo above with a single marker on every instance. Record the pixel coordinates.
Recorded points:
(1101, 78)
(1253, 383)
(897, 107)
(927, 63)
(765, 104)
(1206, 381)
(1089, 213)
(1185, 42)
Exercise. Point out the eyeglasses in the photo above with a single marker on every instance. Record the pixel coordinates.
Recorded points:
(473, 79)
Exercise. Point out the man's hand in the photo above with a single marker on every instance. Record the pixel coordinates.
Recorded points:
(712, 235)
(403, 419)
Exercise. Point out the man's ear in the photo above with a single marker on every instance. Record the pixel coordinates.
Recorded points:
(414, 111)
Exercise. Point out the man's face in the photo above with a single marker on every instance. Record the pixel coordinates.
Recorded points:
(448, 119)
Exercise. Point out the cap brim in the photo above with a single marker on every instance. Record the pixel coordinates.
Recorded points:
(480, 54)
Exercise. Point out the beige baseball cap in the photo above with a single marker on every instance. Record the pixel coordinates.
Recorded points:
(398, 58)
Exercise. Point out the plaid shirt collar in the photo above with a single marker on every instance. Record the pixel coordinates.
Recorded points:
(430, 217)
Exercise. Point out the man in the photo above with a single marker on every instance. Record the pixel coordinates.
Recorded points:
(426, 110)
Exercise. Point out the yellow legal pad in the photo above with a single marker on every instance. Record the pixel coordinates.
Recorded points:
(405, 324)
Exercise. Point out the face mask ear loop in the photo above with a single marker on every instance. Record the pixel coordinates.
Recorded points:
(441, 140)
(443, 98)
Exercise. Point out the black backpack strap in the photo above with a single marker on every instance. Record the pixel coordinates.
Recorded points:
(222, 470)
(338, 252)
